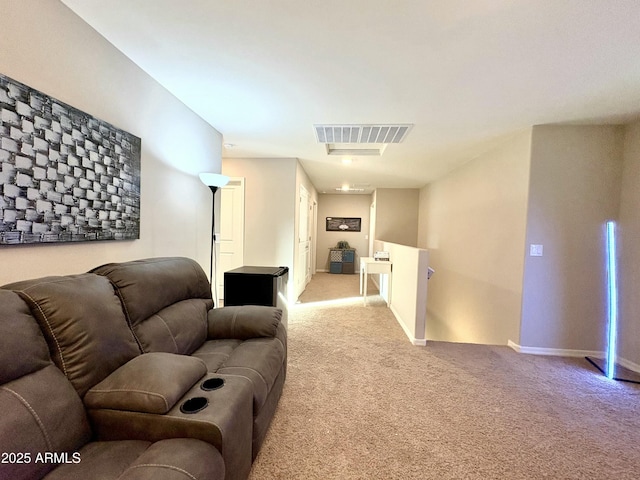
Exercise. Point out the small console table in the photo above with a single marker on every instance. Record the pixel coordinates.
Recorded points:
(369, 265)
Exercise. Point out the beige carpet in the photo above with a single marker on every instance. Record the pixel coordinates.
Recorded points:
(361, 402)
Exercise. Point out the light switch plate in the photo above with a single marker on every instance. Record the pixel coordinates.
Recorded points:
(535, 250)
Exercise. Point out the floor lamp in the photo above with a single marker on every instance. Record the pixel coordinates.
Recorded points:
(213, 181)
(608, 365)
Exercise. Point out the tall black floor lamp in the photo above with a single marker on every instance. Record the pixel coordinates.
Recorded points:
(213, 181)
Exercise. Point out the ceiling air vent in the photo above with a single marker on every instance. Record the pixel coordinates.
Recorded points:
(395, 133)
(347, 139)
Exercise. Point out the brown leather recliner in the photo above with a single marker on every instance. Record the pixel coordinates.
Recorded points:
(44, 430)
(139, 341)
(167, 302)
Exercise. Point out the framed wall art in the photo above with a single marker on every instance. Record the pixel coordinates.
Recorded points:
(343, 224)
(65, 176)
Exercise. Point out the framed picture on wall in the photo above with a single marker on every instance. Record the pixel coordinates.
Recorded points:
(343, 224)
(65, 175)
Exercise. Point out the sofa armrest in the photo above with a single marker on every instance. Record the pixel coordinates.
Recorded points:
(244, 322)
(149, 383)
(177, 458)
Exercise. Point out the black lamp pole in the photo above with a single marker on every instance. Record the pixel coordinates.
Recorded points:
(214, 189)
(213, 181)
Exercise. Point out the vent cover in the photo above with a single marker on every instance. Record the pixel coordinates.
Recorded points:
(350, 189)
(358, 134)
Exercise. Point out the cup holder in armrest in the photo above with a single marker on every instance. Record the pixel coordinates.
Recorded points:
(194, 405)
(212, 384)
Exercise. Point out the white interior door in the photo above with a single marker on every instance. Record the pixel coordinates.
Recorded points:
(372, 229)
(231, 236)
(304, 248)
(313, 234)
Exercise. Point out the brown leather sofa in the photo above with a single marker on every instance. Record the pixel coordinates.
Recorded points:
(151, 359)
(44, 429)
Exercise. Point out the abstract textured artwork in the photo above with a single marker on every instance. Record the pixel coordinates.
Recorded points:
(65, 176)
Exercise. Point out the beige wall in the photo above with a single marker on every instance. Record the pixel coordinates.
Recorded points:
(573, 191)
(473, 223)
(272, 212)
(397, 215)
(629, 248)
(47, 47)
(341, 205)
(270, 201)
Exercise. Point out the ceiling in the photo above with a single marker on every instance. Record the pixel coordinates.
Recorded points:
(466, 74)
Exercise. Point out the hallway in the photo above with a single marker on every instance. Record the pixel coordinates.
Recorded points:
(328, 287)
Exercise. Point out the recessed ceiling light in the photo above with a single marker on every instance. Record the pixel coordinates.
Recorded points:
(347, 161)
(347, 188)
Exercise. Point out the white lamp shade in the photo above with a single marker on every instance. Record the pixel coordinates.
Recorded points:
(214, 179)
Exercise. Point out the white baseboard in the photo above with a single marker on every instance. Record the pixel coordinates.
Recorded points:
(571, 353)
(560, 352)
(629, 364)
(421, 342)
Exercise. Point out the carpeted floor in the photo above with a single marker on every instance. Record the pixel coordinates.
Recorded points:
(361, 402)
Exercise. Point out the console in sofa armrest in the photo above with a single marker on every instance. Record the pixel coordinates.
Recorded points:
(222, 417)
(149, 383)
(244, 322)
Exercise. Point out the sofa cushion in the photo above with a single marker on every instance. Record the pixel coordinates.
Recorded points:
(177, 459)
(244, 322)
(260, 360)
(104, 460)
(150, 383)
(178, 328)
(215, 352)
(84, 325)
(173, 459)
(165, 299)
(27, 351)
(41, 412)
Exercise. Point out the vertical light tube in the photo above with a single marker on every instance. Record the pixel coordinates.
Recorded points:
(612, 284)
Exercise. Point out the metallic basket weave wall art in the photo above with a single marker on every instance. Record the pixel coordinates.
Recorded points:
(65, 176)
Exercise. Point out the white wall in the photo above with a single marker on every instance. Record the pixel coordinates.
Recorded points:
(271, 211)
(270, 215)
(574, 189)
(341, 205)
(473, 222)
(629, 249)
(47, 47)
(407, 295)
